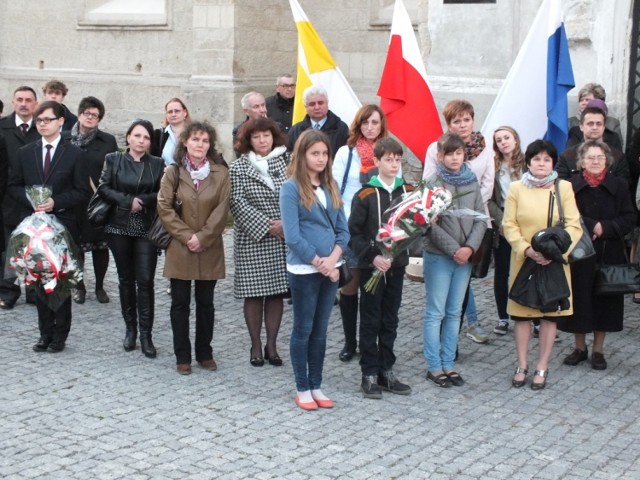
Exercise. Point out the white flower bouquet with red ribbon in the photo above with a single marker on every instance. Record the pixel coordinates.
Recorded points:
(41, 252)
(409, 219)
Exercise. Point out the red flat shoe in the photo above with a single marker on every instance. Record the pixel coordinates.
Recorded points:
(312, 405)
(325, 403)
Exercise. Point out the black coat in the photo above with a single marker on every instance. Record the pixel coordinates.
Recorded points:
(336, 130)
(67, 179)
(122, 181)
(14, 213)
(158, 142)
(280, 110)
(609, 204)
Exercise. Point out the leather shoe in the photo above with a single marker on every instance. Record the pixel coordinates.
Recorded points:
(598, 362)
(388, 382)
(183, 368)
(80, 296)
(209, 364)
(56, 346)
(6, 305)
(312, 405)
(102, 296)
(274, 360)
(575, 357)
(42, 344)
(540, 385)
(347, 353)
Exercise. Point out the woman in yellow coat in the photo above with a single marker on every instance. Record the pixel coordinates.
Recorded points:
(526, 212)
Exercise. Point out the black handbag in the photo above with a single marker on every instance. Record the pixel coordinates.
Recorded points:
(481, 258)
(157, 232)
(584, 248)
(617, 279)
(98, 211)
(345, 274)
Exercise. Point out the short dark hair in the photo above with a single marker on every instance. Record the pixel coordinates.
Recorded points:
(596, 110)
(248, 128)
(146, 124)
(56, 86)
(25, 88)
(57, 108)
(450, 142)
(91, 102)
(387, 145)
(539, 146)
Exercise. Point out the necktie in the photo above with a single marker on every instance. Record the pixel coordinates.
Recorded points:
(47, 159)
(24, 127)
(317, 126)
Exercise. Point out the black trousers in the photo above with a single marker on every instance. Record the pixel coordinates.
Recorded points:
(205, 313)
(54, 324)
(379, 321)
(502, 261)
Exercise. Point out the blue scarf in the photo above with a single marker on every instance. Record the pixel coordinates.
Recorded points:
(462, 177)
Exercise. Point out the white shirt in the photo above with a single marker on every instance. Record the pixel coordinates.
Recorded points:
(54, 144)
(19, 122)
(169, 147)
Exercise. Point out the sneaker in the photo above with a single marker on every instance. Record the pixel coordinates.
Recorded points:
(477, 334)
(502, 328)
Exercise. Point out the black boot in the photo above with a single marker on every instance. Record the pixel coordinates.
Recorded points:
(145, 317)
(128, 307)
(349, 313)
(370, 387)
(388, 381)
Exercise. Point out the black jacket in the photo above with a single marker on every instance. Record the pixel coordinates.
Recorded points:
(69, 119)
(280, 110)
(158, 142)
(364, 225)
(121, 181)
(336, 130)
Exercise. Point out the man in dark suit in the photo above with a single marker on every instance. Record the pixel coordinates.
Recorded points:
(60, 166)
(18, 129)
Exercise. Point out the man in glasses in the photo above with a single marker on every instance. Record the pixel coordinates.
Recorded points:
(18, 130)
(280, 105)
(57, 91)
(60, 166)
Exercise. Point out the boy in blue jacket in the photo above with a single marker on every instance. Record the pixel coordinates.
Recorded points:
(379, 309)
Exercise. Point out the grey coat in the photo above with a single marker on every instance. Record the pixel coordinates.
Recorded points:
(450, 233)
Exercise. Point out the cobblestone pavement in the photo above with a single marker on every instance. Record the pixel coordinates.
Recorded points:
(97, 412)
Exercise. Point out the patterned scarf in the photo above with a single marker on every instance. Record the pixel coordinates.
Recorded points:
(462, 177)
(530, 181)
(474, 147)
(82, 139)
(198, 173)
(365, 152)
(594, 180)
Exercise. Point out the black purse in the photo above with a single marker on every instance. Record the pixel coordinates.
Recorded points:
(157, 232)
(617, 279)
(584, 248)
(98, 209)
(481, 258)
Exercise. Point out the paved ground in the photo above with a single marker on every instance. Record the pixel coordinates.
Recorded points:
(97, 412)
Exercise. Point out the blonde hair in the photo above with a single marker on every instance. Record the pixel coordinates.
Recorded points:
(517, 164)
(299, 171)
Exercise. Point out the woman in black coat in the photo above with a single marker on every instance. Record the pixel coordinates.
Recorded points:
(96, 145)
(605, 205)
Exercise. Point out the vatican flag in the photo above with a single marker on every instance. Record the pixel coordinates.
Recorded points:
(317, 67)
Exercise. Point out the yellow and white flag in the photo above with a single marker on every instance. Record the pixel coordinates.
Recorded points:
(317, 67)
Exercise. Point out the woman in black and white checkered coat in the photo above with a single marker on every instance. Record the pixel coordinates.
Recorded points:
(259, 249)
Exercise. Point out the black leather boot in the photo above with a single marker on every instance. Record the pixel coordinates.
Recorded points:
(349, 313)
(128, 307)
(145, 317)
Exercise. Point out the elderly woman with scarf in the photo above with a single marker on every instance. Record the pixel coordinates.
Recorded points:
(605, 205)
(352, 168)
(200, 181)
(529, 209)
(96, 144)
(259, 250)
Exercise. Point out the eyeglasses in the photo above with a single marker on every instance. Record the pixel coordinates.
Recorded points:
(172, 112)
(287, 85)
(599, 158)
(44, 121)
(93, 116)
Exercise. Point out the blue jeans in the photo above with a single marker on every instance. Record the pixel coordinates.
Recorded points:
(313, 296)
(471, 312)
(445, 283)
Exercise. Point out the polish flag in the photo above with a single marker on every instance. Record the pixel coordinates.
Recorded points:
(404, 93)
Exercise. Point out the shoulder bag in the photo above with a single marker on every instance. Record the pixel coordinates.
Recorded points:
(584, 248)
(98, 209)
(157, 232)
(617, 279)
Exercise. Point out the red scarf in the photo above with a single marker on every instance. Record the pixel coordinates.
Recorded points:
(365, 152)
(594, 180)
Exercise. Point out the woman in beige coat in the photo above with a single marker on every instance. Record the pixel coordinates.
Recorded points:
(525, 213)
(196, 251)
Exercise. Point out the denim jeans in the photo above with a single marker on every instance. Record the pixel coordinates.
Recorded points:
(470, 310)
(445, 283)
(313, 296)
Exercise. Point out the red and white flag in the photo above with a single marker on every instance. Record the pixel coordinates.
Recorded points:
(404, 93)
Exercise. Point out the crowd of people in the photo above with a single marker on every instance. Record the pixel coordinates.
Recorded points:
(307, 200)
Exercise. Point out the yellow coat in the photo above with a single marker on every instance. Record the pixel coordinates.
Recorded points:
(525, 213)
